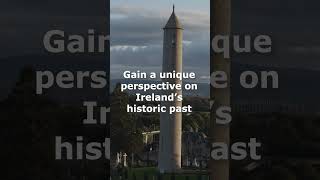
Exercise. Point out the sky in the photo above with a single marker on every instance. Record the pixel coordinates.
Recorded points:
(136, 35)
(23, 23)
(293, 25)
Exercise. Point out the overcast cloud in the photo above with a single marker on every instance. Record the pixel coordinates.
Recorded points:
(136, 39)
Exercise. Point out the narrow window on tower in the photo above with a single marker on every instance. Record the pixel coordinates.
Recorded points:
(174, 40)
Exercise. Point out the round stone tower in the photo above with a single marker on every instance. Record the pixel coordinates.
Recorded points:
(171, 124)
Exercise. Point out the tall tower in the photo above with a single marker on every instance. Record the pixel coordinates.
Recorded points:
(171, 124)
(221, 25)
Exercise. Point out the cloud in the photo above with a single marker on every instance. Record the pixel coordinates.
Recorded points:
(136, 39)
(204, 77)
(139, 26)
(186, 43)
(23, 23)
(127, 48)
(54, 7)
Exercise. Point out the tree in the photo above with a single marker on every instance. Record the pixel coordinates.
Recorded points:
(125, 135)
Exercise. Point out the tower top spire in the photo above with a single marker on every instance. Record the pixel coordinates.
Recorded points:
(173, 22)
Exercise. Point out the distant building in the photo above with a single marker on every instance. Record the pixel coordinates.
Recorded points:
(195, 148)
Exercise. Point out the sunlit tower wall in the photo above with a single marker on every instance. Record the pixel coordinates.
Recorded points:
(171, 124)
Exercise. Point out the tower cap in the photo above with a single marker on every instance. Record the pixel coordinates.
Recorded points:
(173, 22)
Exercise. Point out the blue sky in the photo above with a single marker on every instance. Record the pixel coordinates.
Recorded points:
(136, 35)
